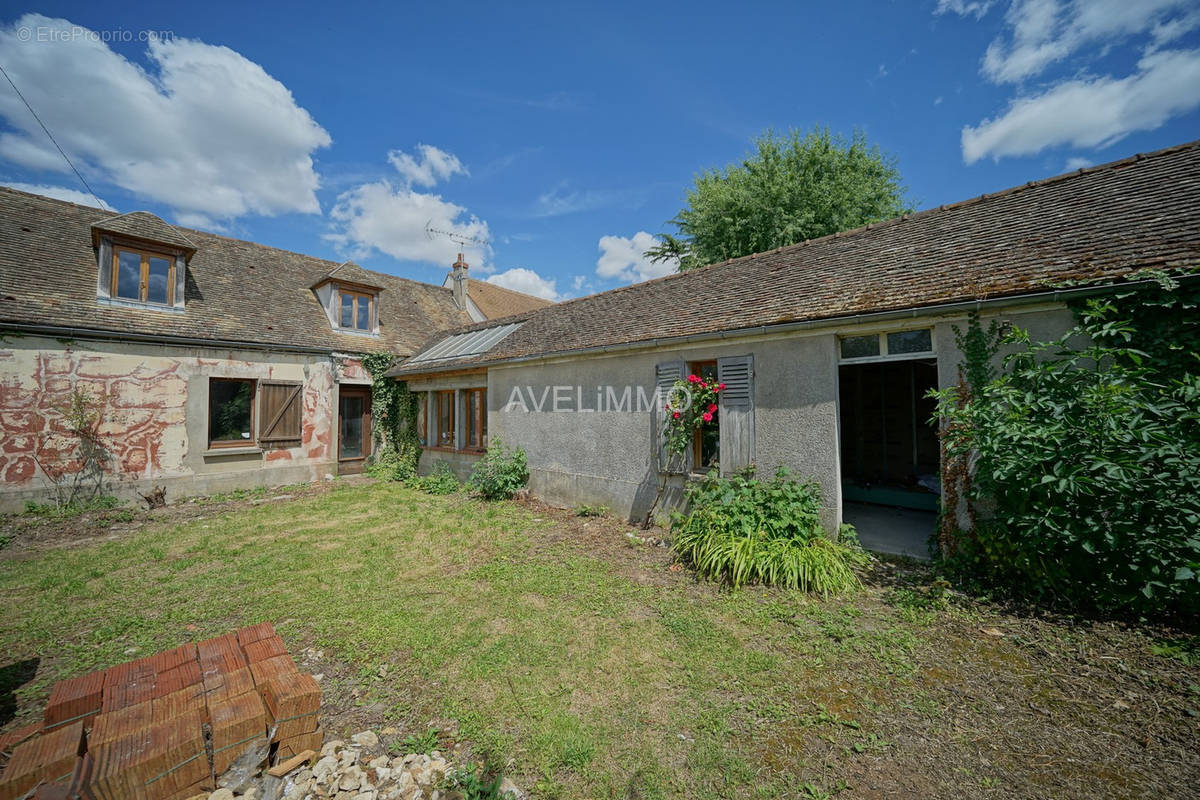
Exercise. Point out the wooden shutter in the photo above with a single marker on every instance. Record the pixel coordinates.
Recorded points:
(281, 412)
(665, 375)
(737, 412)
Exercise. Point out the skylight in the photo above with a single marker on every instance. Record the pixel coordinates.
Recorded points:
(461, 345)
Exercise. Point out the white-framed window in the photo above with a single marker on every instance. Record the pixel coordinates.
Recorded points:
(889, 345)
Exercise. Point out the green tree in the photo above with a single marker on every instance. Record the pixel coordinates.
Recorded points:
(791, 188)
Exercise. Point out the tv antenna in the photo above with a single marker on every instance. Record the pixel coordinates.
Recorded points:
(461, 239)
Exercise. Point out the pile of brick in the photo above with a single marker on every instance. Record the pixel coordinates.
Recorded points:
(167, 726)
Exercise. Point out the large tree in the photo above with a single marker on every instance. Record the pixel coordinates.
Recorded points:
(791, 188)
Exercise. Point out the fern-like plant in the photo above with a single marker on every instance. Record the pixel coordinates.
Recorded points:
(743, 530)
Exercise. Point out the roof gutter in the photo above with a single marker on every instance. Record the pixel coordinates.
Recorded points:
(62, 332)
(942, 309)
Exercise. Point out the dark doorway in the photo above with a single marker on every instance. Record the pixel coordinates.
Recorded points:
(354, 428)
(890, 452)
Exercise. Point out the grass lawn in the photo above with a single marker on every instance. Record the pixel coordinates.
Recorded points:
(587, 665)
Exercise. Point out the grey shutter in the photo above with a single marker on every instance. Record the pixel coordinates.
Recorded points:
(665, 375)
(737, 412)
(180, 280)
(104, 274)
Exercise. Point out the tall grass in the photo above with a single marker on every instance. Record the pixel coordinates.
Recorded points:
(744, 530)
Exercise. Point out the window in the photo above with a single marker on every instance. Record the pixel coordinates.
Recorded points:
(882, 346)
(230, 412)
(355, 312)
(476, 419)
(445, 420)
(143, 276)
(422, 424)
(706, 440)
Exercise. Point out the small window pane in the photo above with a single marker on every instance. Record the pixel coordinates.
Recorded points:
(363, 323)
(229, 405)
(860, 346)
(347, 310)
(910, 342)
(160, 274)
(129, 275)
(351, 433)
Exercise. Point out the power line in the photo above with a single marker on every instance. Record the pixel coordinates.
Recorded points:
(52, 139)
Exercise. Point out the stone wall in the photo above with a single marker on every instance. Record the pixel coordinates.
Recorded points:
(153, 402)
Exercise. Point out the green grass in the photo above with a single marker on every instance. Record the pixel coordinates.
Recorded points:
(584, 674)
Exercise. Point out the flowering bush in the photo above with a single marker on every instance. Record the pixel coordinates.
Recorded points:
(691, 404)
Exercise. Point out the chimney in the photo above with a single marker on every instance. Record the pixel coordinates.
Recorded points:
(460, 283)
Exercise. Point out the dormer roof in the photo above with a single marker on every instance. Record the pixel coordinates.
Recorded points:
(146, 227)
(350, 274)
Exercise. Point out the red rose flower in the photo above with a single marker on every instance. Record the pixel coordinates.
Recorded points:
(693, 379)
(712, 407)
(721, 387)
(707, 417)
(677, 415)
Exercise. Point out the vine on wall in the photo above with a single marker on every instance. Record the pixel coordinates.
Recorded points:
(394, 409)
(979, 346)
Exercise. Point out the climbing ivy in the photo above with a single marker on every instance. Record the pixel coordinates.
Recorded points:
(394, 410)
(1085, 452)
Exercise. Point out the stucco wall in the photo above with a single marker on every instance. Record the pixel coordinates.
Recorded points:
(154, 411)
(607, 457)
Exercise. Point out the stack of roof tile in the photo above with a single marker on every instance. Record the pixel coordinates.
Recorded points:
(163, 727)
(162, 760)
(47, 759)
(293, 701)
(74, 699)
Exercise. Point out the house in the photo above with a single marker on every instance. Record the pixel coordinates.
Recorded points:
(827, 348)
(216, 363)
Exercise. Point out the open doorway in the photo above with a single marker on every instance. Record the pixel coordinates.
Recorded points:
(889, 453)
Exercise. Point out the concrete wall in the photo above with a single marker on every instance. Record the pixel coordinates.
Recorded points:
(586, 452)
(154, 412)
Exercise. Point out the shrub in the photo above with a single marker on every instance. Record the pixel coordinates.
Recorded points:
(743, 529)
(441, 480)
(398, 463)
(1087, 460)
(501, 473)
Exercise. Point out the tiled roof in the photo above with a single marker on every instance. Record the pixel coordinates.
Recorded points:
(1097, 223)
(236, 291)
(144, 225)
(349, 272)
(495, 301)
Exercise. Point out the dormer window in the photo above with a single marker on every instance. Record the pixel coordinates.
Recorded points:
(143, 276)
(350, 297)
(141, 262)
(357, 310)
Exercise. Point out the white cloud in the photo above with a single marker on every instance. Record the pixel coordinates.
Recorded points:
(392, 218)
(526, 280)
(61, 193)
(1078, 163)
(964, 8)
(1042, 32)
(203, 130)
(622, 258)
(433, 166)
(1091, 112)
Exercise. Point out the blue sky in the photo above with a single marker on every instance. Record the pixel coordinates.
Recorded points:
(564, 134)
